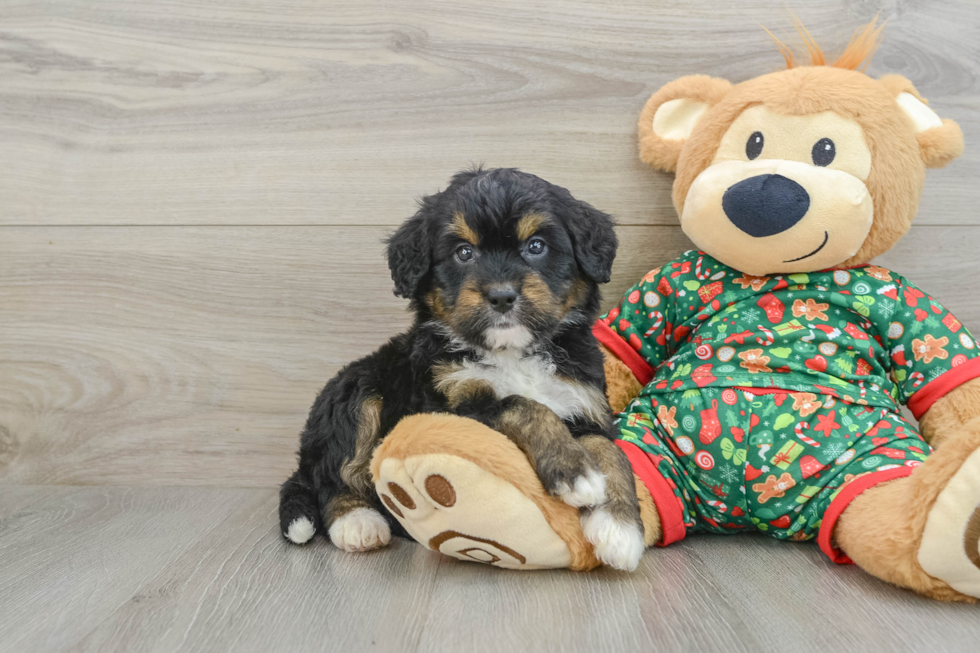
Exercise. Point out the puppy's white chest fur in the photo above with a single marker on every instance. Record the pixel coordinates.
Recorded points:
(534, 377)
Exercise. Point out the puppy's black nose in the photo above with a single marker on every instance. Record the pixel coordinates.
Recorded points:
(765, 205)
(502, 298)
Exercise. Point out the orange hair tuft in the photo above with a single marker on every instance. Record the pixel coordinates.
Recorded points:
(856, 56)
(861, 48)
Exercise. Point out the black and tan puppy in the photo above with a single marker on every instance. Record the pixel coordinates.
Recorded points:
(503, 270)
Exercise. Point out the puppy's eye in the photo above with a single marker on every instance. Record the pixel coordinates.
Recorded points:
(753, 148)
(464, 253)
(536, 247)
(823, 152)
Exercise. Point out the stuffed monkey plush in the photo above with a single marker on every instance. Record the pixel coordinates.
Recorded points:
(758, 379)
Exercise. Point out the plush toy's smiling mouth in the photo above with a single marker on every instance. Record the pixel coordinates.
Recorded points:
(826, 237)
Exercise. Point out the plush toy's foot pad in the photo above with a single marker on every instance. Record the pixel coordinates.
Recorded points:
(465, 490)
(456, 507)
(950, 549)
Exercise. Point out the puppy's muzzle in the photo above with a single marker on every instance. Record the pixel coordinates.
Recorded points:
(501, 297)
(765, 205)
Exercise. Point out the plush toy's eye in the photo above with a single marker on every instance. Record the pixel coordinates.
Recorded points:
(536, 247)
(753, 148)
(464, 253)
(823, 152)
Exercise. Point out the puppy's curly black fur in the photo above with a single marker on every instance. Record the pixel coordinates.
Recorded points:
(502, 269)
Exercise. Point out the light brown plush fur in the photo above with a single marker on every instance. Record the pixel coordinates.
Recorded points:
(621, 385)
(881, 530)
(663, 154)
(648, 513)
(947, 415)
(468, 439)
(940, 145)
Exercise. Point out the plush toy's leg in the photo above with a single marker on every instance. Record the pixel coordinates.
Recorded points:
(465, 490)
(461, 488)
(923, 531)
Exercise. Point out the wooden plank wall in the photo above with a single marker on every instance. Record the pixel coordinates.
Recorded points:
(193, 194)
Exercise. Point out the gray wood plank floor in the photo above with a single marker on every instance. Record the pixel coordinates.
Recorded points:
(204, 569)
(192, 199)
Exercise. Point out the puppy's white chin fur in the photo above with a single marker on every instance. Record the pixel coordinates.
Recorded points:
(513, 337)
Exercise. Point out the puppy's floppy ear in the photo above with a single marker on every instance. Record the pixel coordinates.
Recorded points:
(669, 117)
(593, 237)
(410, 253)
(940, 139)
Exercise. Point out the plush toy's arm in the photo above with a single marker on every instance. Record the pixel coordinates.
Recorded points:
(621, 386)
(948, 415)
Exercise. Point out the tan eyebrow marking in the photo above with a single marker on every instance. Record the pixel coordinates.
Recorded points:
(529, 225)
(463, 230)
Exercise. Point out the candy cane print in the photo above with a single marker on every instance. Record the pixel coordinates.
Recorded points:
(864, 391)
(768, 340)
(697, 270)
(916, 378)
(799, 433)
(658, 319)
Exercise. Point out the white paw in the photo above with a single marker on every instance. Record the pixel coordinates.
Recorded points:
(586, 491)
(616, 543)
(362, 529)
(300, 531)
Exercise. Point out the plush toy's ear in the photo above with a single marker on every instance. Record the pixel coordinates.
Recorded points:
(670, 115)
(940, 140)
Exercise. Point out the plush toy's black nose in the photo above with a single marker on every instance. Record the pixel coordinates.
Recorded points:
(502, 298)
(765, 205)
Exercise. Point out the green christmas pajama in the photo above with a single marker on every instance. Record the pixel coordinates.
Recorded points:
(771, 402)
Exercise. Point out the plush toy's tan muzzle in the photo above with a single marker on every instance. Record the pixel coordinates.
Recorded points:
(773, 216)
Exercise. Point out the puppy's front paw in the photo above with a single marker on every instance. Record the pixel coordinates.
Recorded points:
(572, 475)
(617, 543)
(362, 529)
(586, 490)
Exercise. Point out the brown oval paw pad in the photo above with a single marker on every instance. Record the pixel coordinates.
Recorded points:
(392, 506)
(440, 490)
(401, 495)
(971, 540)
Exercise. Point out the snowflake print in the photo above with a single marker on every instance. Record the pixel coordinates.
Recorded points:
(752, 314)
(835, 449)
(886, 309)
(729, 474)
